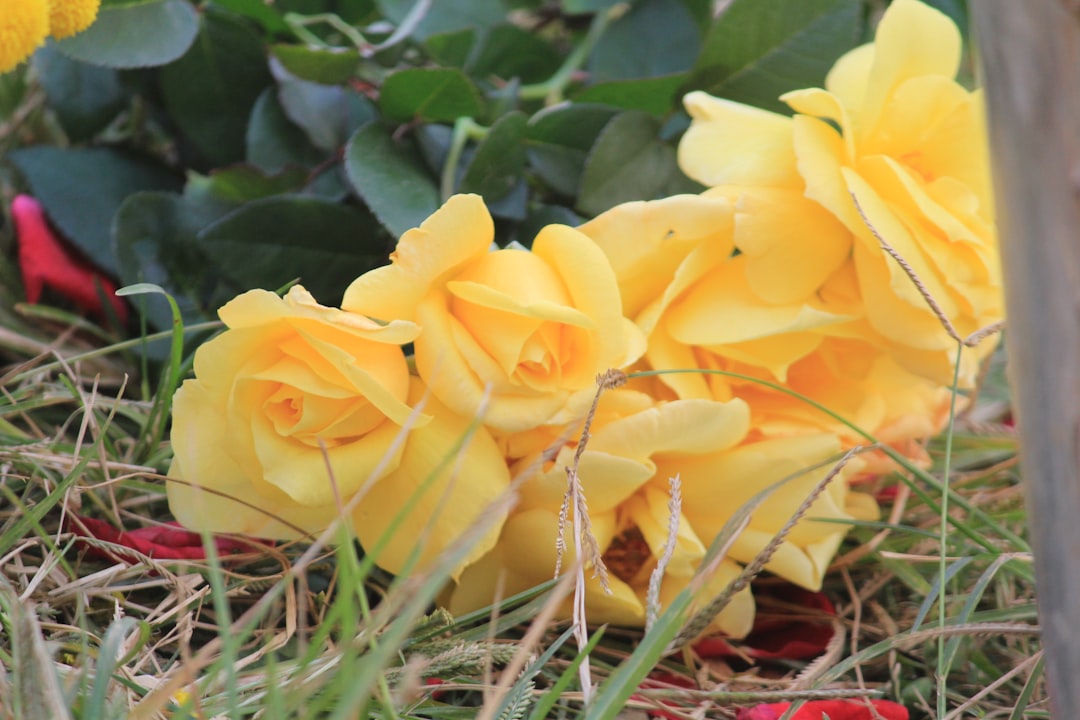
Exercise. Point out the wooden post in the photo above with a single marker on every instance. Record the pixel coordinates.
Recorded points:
(1030, 56)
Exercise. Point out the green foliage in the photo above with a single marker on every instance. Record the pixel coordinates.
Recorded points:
(206, 115)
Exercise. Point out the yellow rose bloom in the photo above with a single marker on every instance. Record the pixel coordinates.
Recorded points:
(68, 17)
(23, 27)
(636, 446)
(535, 327)
(704, 306)
(893, 129)
(289, 387)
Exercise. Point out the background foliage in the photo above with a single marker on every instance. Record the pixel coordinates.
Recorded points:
(218, 146)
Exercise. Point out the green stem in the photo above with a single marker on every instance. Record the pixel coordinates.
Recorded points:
(551, 90)
(943, 670)
(465, 129)
(298, 24)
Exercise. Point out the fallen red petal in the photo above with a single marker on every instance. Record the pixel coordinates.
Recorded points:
(832, 709)
(45, 262)
(778, 637)
(162, 542)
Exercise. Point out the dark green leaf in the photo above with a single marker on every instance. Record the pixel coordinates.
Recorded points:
(268, 242)
(273, 141)
(627, 163)
(573, 7)
(506, 52)
(210, 91)
(85, 97)
(653, 95)
(445, 16)
(266, 15)
(328, 66)
(131, 36)
(82, 188)
(328, 115)
(239, 184)
(451, 49)
(760, 49)
(496, 165)
(154, 234)
(656, 37)
(431, 94)
(558, 141)
(391, 179)
(541, 215)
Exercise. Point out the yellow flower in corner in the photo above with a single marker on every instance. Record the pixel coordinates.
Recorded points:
(68, 17)
(893, 130)
(535, 327)
(23, 27)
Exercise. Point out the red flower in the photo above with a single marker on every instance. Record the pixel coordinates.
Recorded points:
(46, 261)
(163, 542)
(833, 709)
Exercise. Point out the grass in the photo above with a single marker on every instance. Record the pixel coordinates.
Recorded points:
(315, 630)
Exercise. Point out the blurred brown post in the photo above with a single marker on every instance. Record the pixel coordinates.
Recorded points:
(1030, 56)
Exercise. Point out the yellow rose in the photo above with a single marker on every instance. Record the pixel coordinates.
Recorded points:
(288, 387)
(23, 27)
(292, 386)
(628, 509)
(534, 327)
(702, 306)
(911, 148)
(636, 446)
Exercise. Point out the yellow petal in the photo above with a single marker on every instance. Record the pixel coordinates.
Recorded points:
(666, 353)
(736, 619)
(729, 143)
(818, 104)
(821, 154)
(726, 294)
(849, 76)
(606, 479)
(779, 230)
(677, 427)
(912, 39)
(458, 232)
(441, 488)
(647, 241)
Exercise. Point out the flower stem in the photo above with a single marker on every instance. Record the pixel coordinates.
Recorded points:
(551, 90)
(465, 129)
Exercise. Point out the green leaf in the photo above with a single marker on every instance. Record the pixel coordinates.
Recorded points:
(85, 97)
(656, 37)
(81, 189)
(558, 140)
(211, 90)
(653, 95)
(328, 115)
(445, 16)
(154, 235)
(390, 178)
(327, 66)
(451, 49)
(627, 163)
(273, 141)
(576, 7)
(499, 160)
(266, 15)
(430, 94)
(506, 52)
(269, 242)
(760, 49)
(132, 36)
(238, 184)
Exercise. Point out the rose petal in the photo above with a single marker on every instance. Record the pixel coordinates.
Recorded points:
(832, 709)
(162, 542)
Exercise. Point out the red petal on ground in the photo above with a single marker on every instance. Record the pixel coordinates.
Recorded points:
(832, 709)
(46, 262)
(777, 637)
(162, 542)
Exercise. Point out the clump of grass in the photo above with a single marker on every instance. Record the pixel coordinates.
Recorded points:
(314, 629)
